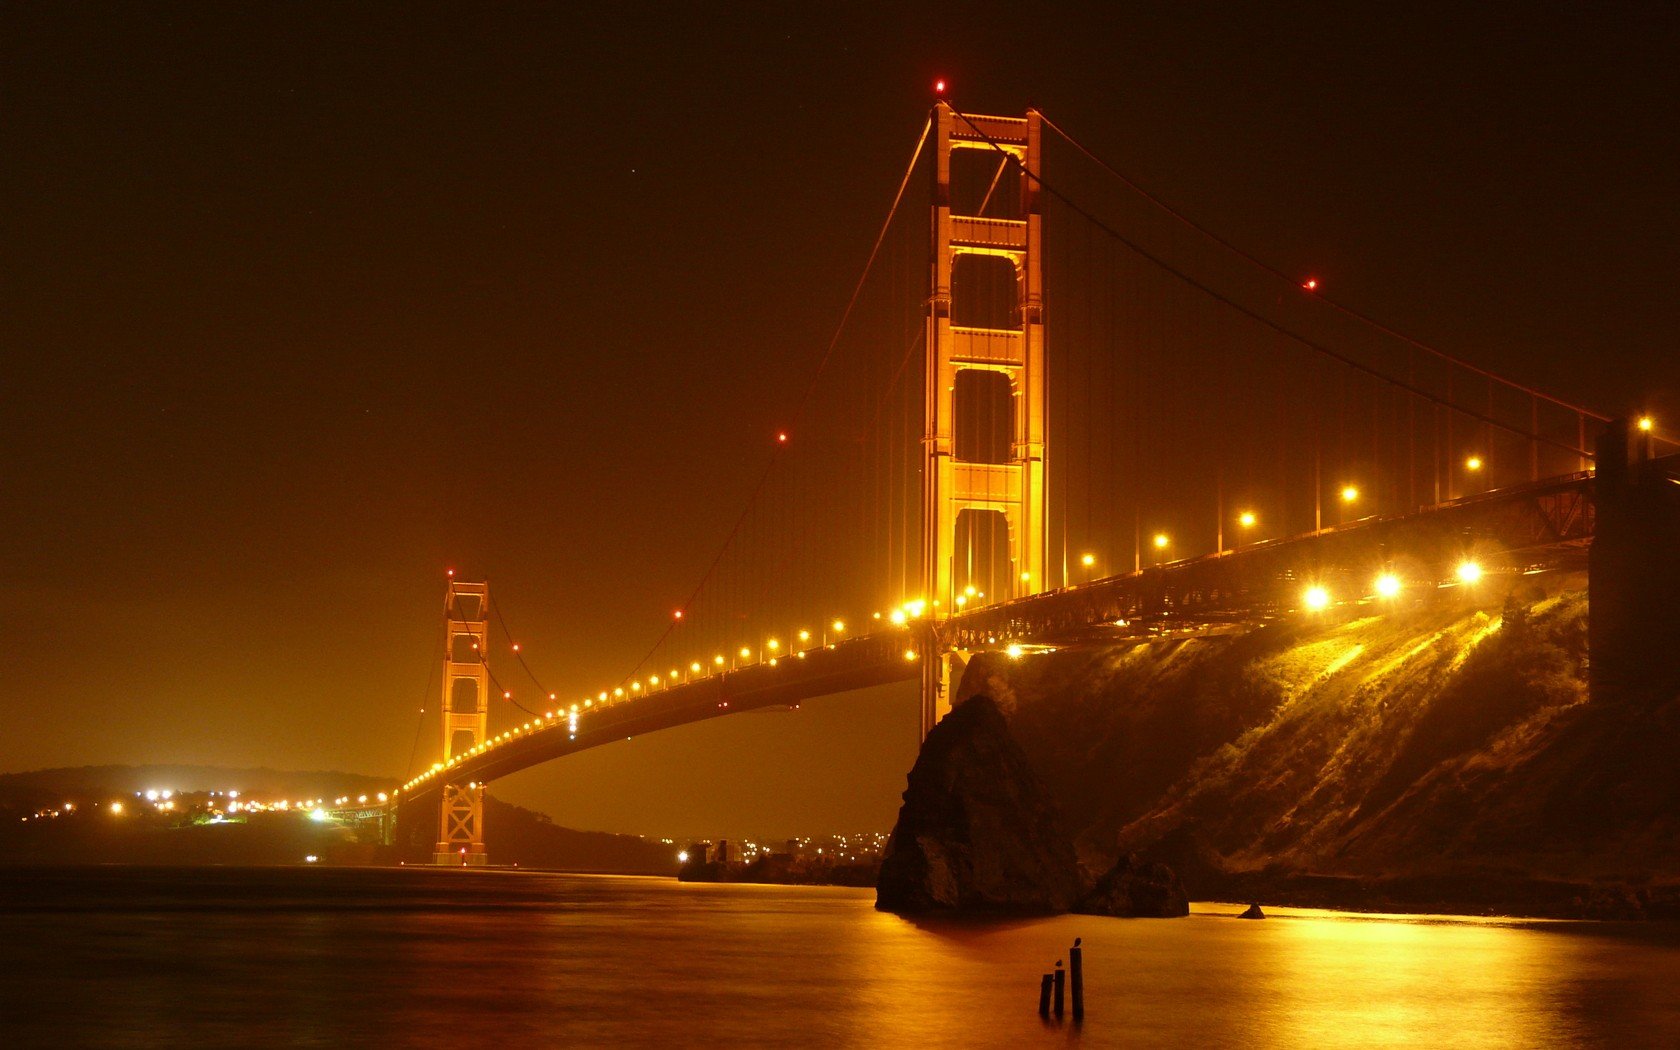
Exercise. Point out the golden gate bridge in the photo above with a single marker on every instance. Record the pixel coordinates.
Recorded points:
(1056, 411)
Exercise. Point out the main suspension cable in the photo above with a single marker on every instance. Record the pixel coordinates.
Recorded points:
(1252, 314)
(1326, 300)
(799, 408)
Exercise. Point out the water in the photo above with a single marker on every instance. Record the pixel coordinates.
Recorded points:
(451, 958)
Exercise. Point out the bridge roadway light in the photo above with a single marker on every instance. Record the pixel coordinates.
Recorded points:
(1473, 464)
(1161, 540)
(1247, 519)
(1469, 571)
(1088, 560)
(898, 618)
(1646, 424)
(1388, 585)
(1316, 598)
(1350, 493)
(839, 626)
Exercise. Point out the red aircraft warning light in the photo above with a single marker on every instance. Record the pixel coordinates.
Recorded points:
(1310, 284)
(939, 86)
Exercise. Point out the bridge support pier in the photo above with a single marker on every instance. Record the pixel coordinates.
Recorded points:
(942, 671)
(1633, 581)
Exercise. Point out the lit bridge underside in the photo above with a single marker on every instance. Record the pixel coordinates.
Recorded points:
(1545, 526)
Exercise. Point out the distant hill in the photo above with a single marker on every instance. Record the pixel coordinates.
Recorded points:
(89, 832)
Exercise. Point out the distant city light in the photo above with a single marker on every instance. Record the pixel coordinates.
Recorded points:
(116, 809)
(682, 857)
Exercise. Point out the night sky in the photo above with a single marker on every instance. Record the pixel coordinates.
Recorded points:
(304, 304)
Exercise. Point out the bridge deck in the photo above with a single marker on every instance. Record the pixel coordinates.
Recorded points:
(1544, 525)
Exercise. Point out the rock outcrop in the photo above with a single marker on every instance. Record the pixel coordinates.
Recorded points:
(1133, 889)
(977, 831)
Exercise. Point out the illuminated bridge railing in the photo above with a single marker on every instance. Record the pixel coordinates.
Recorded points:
(857, 663)
(1544, 525)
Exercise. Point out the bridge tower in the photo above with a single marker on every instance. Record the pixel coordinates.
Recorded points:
(466, 720)
(952, 487)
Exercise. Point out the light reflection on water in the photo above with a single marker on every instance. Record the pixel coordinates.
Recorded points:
(150, 957)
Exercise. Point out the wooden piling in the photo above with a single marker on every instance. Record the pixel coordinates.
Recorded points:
(1076, 978)
(1061, 988)
(1044, 996)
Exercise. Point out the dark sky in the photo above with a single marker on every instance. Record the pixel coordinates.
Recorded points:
(303, 303)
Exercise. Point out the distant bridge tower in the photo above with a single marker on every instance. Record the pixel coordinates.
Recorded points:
(951, 487)
(466, 716)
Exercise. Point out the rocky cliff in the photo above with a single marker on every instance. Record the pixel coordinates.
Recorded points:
(977, 831)
(1441, 754)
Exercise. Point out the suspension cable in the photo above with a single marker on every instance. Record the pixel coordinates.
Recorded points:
(1253, 315)
(800, 406)
(1326, 300)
